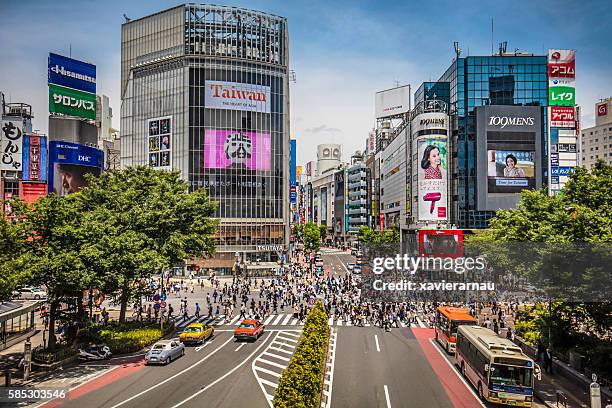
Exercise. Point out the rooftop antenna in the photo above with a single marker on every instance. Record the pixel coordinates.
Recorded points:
(457, 49)
(127, 19)
(397, 83)
(492, 31)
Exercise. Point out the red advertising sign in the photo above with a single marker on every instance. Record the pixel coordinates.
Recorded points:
(602, 110)
(561, 64)
(381, 220)
(563, 116)
(31, 192)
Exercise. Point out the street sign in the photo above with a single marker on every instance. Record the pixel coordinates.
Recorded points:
(311, 301)
(162, 304)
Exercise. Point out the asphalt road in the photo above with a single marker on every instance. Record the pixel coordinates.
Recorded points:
(370, 368)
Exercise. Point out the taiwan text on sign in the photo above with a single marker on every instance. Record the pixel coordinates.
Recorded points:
(237, 96)
(11, 144)
(72, 102)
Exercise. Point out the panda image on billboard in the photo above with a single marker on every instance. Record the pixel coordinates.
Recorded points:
(238, 149)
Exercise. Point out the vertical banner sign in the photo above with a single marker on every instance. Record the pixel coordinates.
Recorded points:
(292, 171)
(562, 112)
(34, 158)
(11, 145)
(159, 147)
(72, 102)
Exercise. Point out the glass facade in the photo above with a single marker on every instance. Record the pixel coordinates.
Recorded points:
(490, 80)
(234, 148)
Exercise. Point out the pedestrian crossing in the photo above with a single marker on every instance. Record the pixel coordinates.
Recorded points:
(282, 319)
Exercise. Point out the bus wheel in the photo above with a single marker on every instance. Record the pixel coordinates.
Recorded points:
(480, 394)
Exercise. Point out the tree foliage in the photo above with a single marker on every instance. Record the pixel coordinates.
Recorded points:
(312, 237)
(124, 226)
(371, 236)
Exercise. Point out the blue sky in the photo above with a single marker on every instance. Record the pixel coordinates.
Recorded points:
(342, 51)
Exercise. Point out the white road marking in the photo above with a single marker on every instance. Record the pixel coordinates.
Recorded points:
(297, 336)
(334, 335)
(377, 345)
(267, 330)
(277, 321)
(272, 363)
(268, 319)
(469, 387)
(330, 321)
(223, 376)
(240, 346)
(83, 383)
(284, 344)
(268, 383)
(387, 397)
(286, 321)
(287, 339)
(175, 375)
(270, 372)
(235, 321)
(276, 356)
(421, 324)
(282, 350)
(203, 345)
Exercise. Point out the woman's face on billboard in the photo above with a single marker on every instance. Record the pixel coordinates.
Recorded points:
(434, 158)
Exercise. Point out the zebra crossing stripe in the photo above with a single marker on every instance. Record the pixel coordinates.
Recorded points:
(235, 320)
(286, 320)
(330, 321)
(268, 319)
(277, 321)
(264, 370)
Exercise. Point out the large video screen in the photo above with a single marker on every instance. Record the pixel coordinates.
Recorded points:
(68, 165)
(441, 243)
(510, 171)
(233, 149)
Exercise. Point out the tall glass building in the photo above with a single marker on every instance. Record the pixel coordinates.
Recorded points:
(508, 79)
(205, 90)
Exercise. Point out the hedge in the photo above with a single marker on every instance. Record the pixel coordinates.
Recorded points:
(302, 381)
(128, 337)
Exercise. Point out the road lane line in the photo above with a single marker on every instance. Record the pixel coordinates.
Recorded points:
(270, 372)
(469, 387)
(268, 383)
(240, 346)
(377, 345)
(421, 324)
(282, 350)
(287, 359)
(223, 376)
(297, 336)
(269, 398)
(287, 339)
(387, 397)
(334, 335)
(174, 376)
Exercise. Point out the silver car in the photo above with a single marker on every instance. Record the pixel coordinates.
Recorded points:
(164, 351)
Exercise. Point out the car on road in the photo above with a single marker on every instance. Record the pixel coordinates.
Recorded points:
(249, 329)
(350, 266)
(357, 269)
(196, 333)
(164, 351)
(30, 292)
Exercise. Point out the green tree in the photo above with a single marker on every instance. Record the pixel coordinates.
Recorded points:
(323, 231)
(141, 221)
(562, 243)
(388, 236)
(49, 255)
(11, 244)
(312, 237)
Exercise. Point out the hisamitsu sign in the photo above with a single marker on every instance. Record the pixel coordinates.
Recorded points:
(72, 73)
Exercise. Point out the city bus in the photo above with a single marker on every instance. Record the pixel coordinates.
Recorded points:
(497, 368)
(447, 320)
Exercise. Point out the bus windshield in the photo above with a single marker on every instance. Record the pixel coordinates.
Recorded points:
(510, 375)
(457, 323)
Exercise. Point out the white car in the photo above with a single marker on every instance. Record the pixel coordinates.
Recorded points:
(164, 351)
(357, 269)
(30, 292)
(350, 266)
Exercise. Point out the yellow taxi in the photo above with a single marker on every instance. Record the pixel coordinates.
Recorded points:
(196, 333)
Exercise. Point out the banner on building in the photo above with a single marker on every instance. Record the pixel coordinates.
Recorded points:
(72, 102)
(159, 146)
(563, 116)
(71, 73)
(34, 158)
(432, 179)
(11, 145)
(561, 63)
(237, 96)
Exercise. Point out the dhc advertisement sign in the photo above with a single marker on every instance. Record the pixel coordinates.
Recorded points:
(68, 165)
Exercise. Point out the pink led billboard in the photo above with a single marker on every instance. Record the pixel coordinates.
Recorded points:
(225, 149)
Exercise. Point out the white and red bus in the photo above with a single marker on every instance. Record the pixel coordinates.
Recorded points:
(448, 319)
